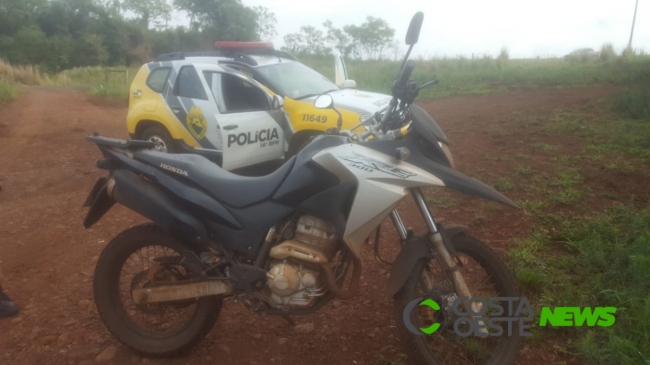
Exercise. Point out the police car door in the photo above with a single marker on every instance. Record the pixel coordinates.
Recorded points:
(190, 102)
(250, 128)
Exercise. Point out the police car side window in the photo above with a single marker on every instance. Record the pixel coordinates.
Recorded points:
(158, 78)
(240, 95)
(188, 84)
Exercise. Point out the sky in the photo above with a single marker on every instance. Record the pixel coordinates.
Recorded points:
(528, 29)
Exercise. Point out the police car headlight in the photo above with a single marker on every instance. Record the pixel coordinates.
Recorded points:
(445, 149)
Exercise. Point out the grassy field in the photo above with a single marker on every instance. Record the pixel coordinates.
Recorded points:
(587, 247)
(456, 75)
(112, 86)
(486, 75)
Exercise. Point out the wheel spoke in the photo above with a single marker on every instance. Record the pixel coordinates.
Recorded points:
(446, 346)
(154, 318)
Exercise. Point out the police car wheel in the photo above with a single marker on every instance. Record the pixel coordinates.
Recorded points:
(162, 139)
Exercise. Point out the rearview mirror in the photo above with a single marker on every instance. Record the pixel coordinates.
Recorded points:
(277, 102)
(324, 101)
(413, 33)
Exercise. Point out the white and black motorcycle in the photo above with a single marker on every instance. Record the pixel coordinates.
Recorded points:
(290, 242)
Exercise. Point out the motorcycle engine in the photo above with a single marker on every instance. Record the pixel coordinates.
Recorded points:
(296, 283)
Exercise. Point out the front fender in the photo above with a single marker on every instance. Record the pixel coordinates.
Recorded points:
(415, 249)
(451, 178)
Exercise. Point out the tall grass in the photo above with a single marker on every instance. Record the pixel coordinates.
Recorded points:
(112, 86)
(7, 91)
(25, 75)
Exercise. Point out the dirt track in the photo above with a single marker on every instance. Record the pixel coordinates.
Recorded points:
(47, 169)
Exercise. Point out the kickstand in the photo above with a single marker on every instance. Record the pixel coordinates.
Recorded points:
(290, 320)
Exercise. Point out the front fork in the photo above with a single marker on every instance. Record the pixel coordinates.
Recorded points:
(435, 239)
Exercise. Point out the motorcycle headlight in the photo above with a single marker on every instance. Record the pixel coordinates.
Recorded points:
(445, 149)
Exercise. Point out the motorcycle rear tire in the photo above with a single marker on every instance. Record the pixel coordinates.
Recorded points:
(112, 312)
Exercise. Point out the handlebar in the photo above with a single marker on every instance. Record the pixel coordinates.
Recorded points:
(404, 75)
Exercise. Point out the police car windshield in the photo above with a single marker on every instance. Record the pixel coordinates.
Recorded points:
(296, 80)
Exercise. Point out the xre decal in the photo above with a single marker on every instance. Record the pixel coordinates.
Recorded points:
(196, 123)
(266, 137)
(370, 165)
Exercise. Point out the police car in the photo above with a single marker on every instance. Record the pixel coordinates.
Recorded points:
(245, 104)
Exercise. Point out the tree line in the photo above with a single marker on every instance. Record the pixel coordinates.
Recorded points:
(62, 34)
(373, 39)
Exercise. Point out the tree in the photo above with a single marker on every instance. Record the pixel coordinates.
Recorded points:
(226, 20)
(266, 22)
(293, 42)
(313, 40)
(370, 38)
(309, 41)
(337, 39)
(15, 14)
(157, 12)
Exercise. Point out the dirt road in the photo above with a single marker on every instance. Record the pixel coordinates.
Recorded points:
(46, 170)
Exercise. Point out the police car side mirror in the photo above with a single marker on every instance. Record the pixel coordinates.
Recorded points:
(348, 84)
(277, 102)
(324, 101)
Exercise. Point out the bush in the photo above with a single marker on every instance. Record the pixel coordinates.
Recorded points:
(7, 91)
(503, 57)
(628, 53)
(634, 103)
(607, 52)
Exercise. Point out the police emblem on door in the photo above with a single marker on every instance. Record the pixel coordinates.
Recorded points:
(196, 122)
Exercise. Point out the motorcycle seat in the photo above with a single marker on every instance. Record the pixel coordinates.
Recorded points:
(231, 189)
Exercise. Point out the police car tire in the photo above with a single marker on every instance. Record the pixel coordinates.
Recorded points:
(163, 135)
(415, 346)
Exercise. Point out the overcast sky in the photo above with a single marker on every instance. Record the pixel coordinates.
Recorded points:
(462, 27)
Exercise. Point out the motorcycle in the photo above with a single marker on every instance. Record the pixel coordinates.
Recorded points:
(289, 242)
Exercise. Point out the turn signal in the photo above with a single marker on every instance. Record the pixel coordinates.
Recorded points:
(402, 153)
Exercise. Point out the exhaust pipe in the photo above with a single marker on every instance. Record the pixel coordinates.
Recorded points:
(170, 293)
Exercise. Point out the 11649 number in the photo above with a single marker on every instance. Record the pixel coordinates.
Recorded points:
(314, 118)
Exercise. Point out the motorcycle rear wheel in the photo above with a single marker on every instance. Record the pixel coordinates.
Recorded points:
(445, 347)
(160, 329)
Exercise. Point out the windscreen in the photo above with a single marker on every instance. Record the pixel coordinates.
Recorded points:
(296, 80)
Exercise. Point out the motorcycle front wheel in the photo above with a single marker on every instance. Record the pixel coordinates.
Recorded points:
(486, 276)
(140, 257)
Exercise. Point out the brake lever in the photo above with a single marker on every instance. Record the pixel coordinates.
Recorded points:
(426, 84)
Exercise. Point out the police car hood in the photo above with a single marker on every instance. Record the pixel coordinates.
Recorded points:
(364, 103)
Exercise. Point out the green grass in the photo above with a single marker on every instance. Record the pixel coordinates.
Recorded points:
(634, 102)
(482, 75)
(457, 75)
(441, 201)
(110, 91)
(504, 184)
(545, 146)
(532, 206)
(567, 178)
(523, 170)
(111, 85)
(602, 260)
(8, 91)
